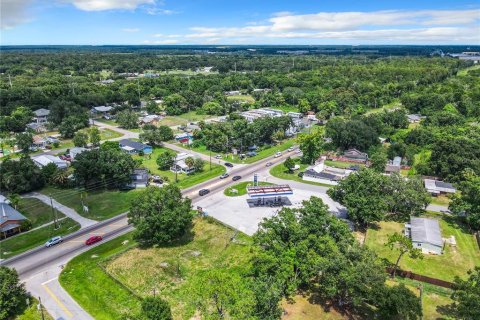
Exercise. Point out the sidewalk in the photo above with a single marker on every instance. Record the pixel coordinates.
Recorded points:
(69, 212)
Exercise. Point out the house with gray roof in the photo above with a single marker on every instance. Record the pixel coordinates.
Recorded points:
(425, 235)
(134, 147)
(41, 115)
(436, 187)
(10, 220)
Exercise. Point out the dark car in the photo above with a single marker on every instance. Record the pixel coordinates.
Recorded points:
(228, 164)
(93, 239)
(300, 174)
(203, 192)
(235, 178)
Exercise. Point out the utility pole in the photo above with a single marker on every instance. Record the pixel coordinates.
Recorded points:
(53, 213)
(41, 307)
(210, 160)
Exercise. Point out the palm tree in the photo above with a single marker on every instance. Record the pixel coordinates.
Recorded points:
(189, 162)
(14, 199)
(60, 177)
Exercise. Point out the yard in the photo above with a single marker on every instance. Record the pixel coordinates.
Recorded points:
(184, 180)
(169, 270)
(184, 119)
(281, 172)
(36, 211)
(107, 134)
(102, 204)
(261, 154)
(241, 188)
(342, 164)
(33, 312)
(31, 239)
(455, 261)
(243, 97)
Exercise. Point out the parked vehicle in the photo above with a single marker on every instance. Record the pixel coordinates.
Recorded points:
(53, 241)
(300, 174)
(278, 154)
(268, 164)
(218, 156)
(223, 176)
(290, 149)
(235, 178)
(203, 192)
(93, 239)
(228, 164)
(251, 153)
(298, 151)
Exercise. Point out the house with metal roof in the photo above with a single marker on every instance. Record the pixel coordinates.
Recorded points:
(436, 187)
(10, 220)
(425, 235)
(45, 159)
(133, 147)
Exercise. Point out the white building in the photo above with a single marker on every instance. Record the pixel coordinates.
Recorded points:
(425, 234)
(46, 159)
(323, 174)
(436, 187)
(253, 114)
(180, 166)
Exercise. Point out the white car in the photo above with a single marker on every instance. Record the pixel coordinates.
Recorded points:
(218, 156)
(290, 149)
(53, 241)
(223, 176)
(278, 154)
(298, 151)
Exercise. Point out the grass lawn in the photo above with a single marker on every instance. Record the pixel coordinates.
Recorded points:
(25, 241)
(33, 313)
(464, 72)
(243, 97)
(300, 308)
(342, 164)
(183, 119)
(106, 134)
(242, 188)
(261, 154)
(442, 200)
(281, 172)
(36, 211)
(102, 204)
(169, 270)
(184, 180)
(455, 261)
(100, 295)
(110, 122)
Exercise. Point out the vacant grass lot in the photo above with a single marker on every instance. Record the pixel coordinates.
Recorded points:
(455, 261)
(102, 204)
(342, 164)
(242, 188)
(184, 180)
(36, 211)
(169, 270)
(33, 313)
(261, 154)
(28, 240)
(107, 134)
(243, 97)
(184, 119)
(281, 172)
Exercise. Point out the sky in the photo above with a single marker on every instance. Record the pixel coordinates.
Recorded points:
(170, 22)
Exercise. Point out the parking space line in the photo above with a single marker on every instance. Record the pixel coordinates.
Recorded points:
(69, 314)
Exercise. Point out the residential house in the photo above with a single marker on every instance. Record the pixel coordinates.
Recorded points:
(41, 116)
(38, 143)
(394, 166)
(185, 138)
(10, 220)
(414, 118)
(134, 147)
(233, 93)
(355, 155)
(75, 151)
(107, 81)
(101, 110)
(261, 90)
(139, 178)
(180, 166)
(37, 127)
(46, 159)
(436, 187)
(150, 119)
(425, 234)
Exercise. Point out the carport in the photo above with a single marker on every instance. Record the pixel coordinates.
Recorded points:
(274, 195)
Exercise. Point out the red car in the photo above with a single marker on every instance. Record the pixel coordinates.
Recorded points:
(93, 240)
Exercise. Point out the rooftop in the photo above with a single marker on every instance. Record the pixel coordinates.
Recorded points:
(426, 230)
(8, 213)
(41, 112)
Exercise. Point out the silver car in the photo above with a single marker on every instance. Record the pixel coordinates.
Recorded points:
(53, 241)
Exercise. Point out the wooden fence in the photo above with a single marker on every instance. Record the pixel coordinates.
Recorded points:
(421, 278)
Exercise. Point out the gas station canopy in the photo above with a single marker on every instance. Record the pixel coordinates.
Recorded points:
(269, 191)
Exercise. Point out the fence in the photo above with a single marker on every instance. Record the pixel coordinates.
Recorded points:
(421, 278)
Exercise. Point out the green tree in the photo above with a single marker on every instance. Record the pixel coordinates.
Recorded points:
(94, 136)
(20, 176)
(127, 119)
(466, 296)
(213, 108)
(399, 302)
(175, 104)
(223, 294)
(466, 204)
(189, 162)
(14, 199)
(364, 196)
(155, 136)
(24, 141)
(152, 107)
(17, 120)
(312, 145)
(198, 164)
(405, 197)
(160, 215)
(80, 139)
(289, 164)
(12, 293)
(49, 171)
(403, 245)
(72, 124)
(154, 308)
(378, 161)
(166, 160)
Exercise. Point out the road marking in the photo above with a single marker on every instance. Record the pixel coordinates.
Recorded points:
(69, 314)
(44, 283)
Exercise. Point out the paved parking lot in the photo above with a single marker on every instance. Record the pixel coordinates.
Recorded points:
(236, 212)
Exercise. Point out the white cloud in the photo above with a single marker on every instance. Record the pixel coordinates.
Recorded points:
(165, 41)
(130, 29)
(13, 13)
(100, 5)
(159, 11)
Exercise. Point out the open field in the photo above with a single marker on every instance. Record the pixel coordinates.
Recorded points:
(464, 72)
(389, 106)
(184, 119)
(455, 261)
(106, 134)
(281, 172)
(102, 204)
(184, 180)
(241, 188)
(342, 164)
(261, 154)
(28, 240)
(36, 211)
(243, 97)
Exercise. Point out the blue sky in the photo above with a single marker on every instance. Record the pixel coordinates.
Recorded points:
(239, 22)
